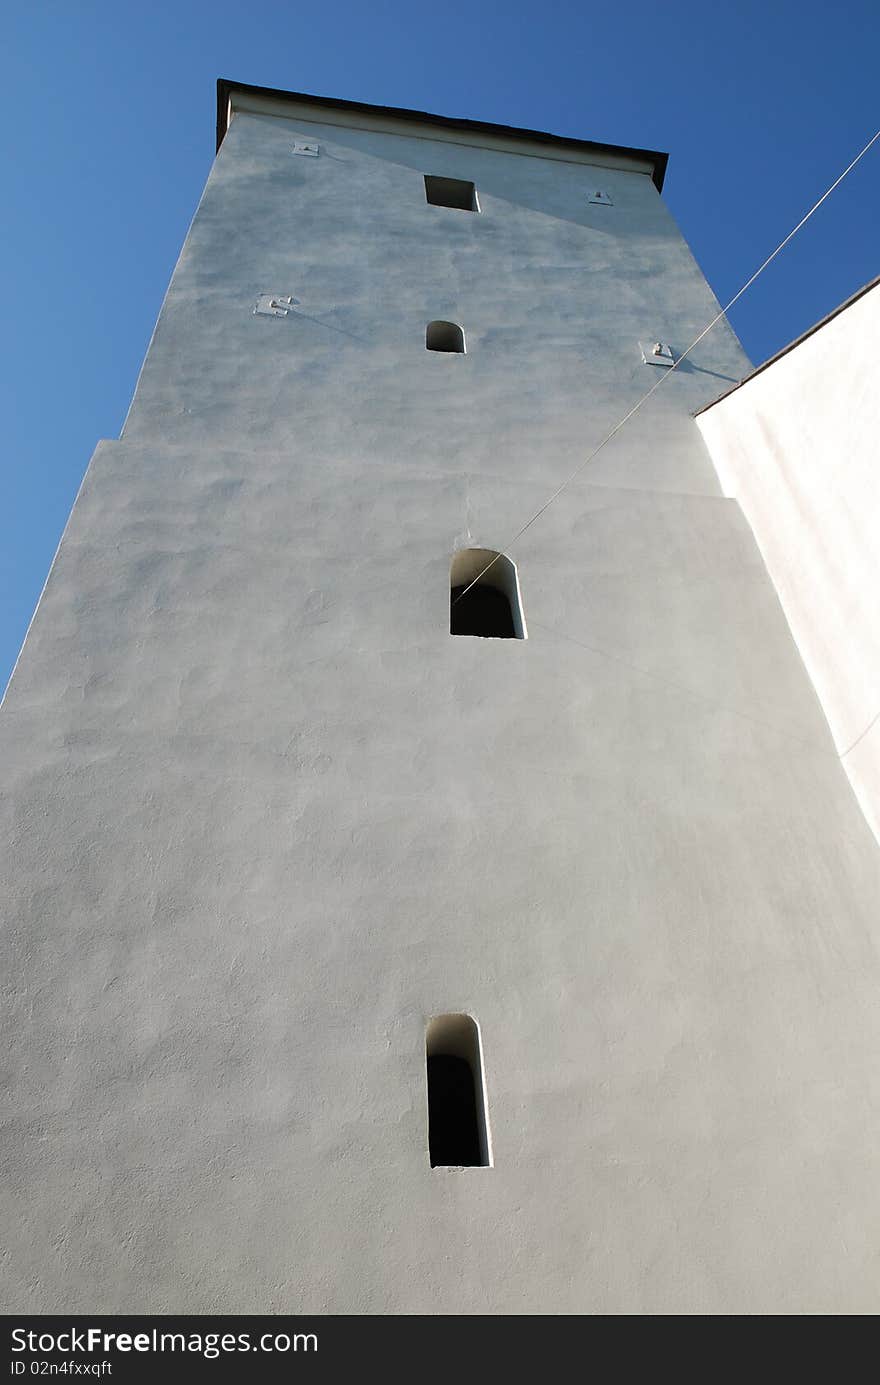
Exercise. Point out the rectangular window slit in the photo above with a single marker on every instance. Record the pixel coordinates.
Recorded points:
(458, 1124)
(451, 192)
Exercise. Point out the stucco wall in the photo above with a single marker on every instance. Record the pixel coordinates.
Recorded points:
(267, 816)
(797, 446)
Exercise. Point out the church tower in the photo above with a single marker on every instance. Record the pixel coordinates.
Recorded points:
(400, 919)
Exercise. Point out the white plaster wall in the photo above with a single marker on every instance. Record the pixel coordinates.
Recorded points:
(797, 445)
(554, 295)
(266, 816)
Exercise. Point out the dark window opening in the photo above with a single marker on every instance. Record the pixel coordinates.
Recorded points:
(451, 192)
(481, 611)
(458, 1135)
(453, 1137)
(444, 336)
(484, 596)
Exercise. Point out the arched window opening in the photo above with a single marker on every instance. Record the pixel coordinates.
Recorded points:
(492, 607)
(451, 192)
(444, 336)
(458, 1126)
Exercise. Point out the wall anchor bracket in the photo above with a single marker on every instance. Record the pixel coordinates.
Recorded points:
(273, 305)
(657, 353)
(601, 198)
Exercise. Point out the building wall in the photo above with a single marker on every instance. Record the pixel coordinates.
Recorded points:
(268, 817)
(797, 446)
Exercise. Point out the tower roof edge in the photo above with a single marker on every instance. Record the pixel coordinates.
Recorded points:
(225, 88)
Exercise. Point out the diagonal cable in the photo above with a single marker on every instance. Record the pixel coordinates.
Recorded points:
(670, 369)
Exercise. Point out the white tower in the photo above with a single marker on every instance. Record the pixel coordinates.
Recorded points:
(282, 844)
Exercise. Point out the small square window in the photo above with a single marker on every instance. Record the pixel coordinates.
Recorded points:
(451, 192)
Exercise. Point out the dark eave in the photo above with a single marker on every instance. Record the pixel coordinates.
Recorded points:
(445, 122)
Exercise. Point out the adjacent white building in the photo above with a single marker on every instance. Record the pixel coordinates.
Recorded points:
(282, 845)
(796, 444)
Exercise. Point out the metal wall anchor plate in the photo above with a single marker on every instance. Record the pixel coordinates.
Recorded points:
(273, 305)
(601, 198)
(309, 150)
(656, 353)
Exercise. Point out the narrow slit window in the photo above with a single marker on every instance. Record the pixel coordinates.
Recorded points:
(444, 336)
(451, 192)
(484, 597)
(458, 1126)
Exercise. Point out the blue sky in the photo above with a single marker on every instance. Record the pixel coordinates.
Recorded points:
(108, 136)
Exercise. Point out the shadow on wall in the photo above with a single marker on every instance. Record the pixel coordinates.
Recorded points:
(539, 189)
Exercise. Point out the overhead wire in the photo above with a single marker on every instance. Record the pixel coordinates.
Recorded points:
(669, 370)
